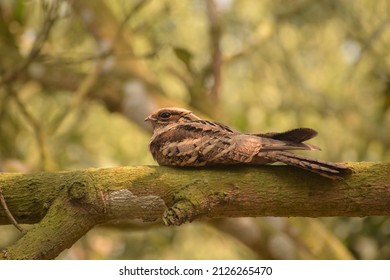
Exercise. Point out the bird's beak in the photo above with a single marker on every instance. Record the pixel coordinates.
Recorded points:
(149, 119)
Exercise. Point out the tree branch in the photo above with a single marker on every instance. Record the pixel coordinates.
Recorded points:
(67, 204)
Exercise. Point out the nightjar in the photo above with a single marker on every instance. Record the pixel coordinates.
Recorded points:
(181, 138)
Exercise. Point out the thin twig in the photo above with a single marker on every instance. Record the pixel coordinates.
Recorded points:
(137, 7)
(8, 212)
(50, 16)
(215, 36)
(34, 123)
(49, 19)
(78, 96)
(367, 46)
(87, 84)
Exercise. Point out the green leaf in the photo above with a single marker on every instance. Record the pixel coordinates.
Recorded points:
(185, 56)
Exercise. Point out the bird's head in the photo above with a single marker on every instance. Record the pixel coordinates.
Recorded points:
(170, 115)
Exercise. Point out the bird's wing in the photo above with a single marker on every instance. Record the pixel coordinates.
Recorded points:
(294, 135)
(289, 140)
(270, 144)
(216, 126)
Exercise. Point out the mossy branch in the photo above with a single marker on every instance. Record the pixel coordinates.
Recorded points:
(65, 205)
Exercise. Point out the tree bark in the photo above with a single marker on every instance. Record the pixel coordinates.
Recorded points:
(68, 204)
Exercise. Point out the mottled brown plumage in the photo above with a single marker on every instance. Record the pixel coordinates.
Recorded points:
(181, 138)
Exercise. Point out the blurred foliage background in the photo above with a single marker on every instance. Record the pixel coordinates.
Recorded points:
(77, 78)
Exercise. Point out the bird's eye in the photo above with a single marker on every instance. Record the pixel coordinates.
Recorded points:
(165, 115)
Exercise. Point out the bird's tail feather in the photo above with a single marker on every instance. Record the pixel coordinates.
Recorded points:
(327, 169)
